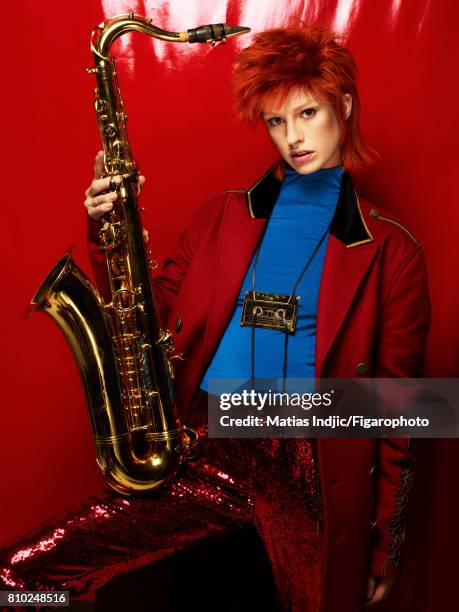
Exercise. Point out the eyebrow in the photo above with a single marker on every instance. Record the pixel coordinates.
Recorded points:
(297, 108)
(305, 104)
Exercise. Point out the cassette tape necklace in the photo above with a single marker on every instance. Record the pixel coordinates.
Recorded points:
(273, 310)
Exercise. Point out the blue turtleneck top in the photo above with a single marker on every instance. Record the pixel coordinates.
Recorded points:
(301, 214)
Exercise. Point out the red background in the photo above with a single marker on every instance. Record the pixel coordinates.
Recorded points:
(189, 145)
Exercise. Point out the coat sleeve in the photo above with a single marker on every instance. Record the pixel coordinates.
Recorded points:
(405, 321)
(166, 285)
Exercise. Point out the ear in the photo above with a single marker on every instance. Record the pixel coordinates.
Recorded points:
(347, 106)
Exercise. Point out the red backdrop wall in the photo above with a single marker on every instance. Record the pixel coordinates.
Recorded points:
(189, 145)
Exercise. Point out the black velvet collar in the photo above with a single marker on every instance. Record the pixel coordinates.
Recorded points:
(347, 224)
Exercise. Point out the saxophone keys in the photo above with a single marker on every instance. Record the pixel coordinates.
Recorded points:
(100, 105)
(110, 130)
(117, 264)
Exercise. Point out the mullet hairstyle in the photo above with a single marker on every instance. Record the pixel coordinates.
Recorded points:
(301, 57)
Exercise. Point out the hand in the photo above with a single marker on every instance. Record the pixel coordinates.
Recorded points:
(97, 202)
(378, 588)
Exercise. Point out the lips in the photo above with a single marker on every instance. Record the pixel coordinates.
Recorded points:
(300, 154)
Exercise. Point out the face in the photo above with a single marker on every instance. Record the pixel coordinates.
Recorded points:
(305, 130)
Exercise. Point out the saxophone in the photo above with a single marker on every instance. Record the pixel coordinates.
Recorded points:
(122, 353)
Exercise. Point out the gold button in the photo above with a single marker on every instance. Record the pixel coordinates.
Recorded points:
(361, 368)
(374, 213)
(178, 324)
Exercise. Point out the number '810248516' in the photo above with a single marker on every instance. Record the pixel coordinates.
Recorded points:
(56, 598)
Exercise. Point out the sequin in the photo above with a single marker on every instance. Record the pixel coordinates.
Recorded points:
(231, 485)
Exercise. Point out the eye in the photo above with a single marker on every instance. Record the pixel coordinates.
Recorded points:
(308, 113)
(273, 121)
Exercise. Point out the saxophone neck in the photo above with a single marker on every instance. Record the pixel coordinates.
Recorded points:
(107, 32)
(109, 101)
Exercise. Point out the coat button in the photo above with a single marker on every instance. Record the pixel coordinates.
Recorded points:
(372, 469)
(178, 324)
(361, 368)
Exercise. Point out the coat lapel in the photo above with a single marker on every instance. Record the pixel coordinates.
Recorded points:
(350, 252)
(343, 272)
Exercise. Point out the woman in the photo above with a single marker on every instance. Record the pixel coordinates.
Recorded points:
(331, 513)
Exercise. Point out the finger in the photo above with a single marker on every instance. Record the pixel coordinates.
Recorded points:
(97, 212)
(104, 198)
(107, 198)
(381, 592)
(99, 169)
(371, 587)
(140, 183)
(99, 185)
(91, 203)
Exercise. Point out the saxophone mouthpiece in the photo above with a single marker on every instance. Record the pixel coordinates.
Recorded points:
(235, 30)
(213, 33)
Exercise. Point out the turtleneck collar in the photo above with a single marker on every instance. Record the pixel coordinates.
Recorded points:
(319, 187)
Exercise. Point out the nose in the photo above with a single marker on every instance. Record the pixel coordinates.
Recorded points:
(294, 135)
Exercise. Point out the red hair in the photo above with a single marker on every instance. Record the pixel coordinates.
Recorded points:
(310, 57)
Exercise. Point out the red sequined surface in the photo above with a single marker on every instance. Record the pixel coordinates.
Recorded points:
(232, 484)
(288, 519)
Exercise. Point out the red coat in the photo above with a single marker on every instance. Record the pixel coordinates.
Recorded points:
(373, 318)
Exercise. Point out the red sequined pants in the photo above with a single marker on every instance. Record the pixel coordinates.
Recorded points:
(270, 484)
